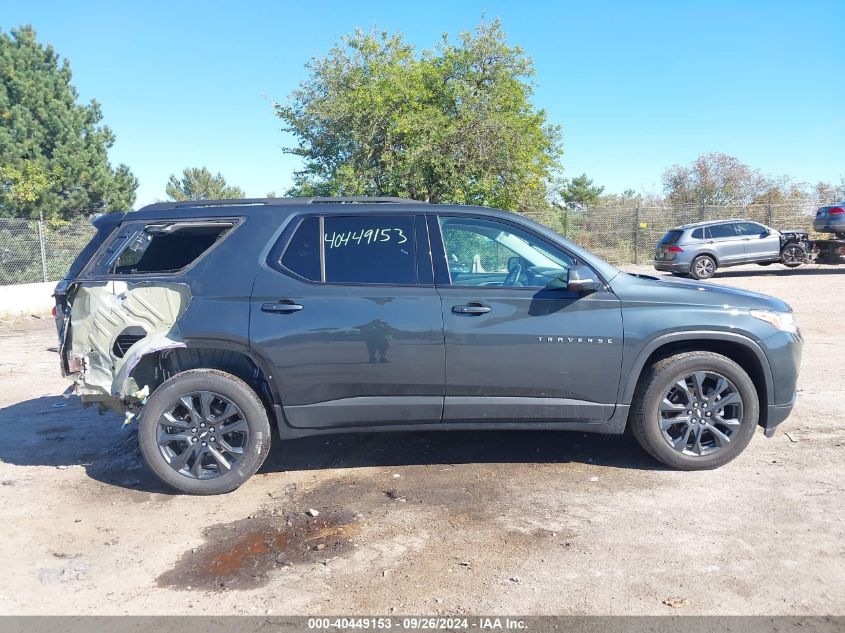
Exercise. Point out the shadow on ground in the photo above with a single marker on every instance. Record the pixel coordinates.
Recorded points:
(52, 431)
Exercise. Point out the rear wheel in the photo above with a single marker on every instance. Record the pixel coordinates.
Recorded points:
(702, 267)
(695, 410)
(204, 432)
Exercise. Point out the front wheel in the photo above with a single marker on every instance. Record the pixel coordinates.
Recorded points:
(695, 410)
(793, 256)
(204, 432)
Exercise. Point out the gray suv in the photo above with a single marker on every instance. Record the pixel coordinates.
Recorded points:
(217, 325)
(699, 249)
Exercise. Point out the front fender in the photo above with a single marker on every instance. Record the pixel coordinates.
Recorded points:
(633, 375)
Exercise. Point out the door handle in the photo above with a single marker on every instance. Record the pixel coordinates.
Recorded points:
(281, 307)
(472, 308)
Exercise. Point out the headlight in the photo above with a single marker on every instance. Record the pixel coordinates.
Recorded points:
(783, 321)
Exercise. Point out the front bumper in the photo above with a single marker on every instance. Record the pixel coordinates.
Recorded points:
(783, 351)
(776, 414)
(671, 266)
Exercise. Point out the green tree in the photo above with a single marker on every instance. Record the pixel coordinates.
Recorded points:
(580, 193)
(197, 183)
(53, 150)
(453, 124)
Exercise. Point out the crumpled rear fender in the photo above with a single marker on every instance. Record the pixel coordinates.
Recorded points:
(103, 311)
(123, 383)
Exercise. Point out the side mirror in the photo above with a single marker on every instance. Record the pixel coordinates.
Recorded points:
(582, 279)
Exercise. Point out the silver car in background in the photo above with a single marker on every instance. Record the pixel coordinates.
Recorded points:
(699, 249)
(831, 219)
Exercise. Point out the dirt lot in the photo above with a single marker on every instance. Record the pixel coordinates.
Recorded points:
(530, 523)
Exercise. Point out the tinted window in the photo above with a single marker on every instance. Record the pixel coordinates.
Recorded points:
(671, 237)
(302, 254)
(167, 248)
(370, 249)
(750, 228)
(698, 234)
(722, 230)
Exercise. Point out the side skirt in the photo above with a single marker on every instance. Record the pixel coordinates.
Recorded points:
(614, 426)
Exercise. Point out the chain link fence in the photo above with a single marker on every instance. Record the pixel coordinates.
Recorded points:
(628, 234)
(33, 251)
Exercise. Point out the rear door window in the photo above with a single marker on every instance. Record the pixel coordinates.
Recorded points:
(370, 250)
(354, 249)
(721, 231)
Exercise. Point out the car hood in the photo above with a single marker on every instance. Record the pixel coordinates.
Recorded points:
(631, 288)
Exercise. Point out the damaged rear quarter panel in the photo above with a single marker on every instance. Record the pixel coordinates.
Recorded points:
(102, 311)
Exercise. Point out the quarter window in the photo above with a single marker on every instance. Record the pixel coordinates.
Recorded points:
(168, 247)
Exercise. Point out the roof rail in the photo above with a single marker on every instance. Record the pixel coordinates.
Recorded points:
(363, 200)
(242, 202)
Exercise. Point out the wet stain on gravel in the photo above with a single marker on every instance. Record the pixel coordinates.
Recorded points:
(242, 554)
(55, 429)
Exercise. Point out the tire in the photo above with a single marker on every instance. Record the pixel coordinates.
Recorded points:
(243, 447)
(655, 425)
(792, 255)
(702, 267)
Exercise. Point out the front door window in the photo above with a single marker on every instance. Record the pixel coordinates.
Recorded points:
(485, 253)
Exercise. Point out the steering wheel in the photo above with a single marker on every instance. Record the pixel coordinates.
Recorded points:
(514, 273)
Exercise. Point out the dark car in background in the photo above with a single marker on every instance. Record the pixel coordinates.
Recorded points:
(831, 219)
(214, 322)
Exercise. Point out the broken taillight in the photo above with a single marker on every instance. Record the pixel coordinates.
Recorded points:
(75, 364)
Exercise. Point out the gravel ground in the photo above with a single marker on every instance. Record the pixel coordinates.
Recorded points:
(495, 522)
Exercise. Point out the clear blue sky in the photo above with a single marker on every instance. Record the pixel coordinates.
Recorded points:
(636, 86)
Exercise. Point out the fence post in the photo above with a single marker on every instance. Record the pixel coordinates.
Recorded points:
(566, 222)
(42, 246)
(636, 233)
